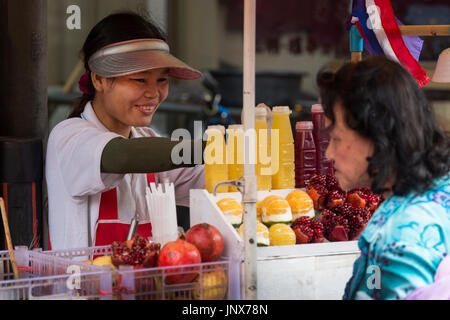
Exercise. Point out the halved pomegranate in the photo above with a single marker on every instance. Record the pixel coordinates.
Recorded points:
(307, 230)
(325, 191)
(135, 252)
(344, 222)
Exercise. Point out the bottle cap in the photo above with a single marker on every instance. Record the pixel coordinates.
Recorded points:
(235, 127)
(282, 109)
(216, 127)
(316, 108)
(260, 112)
(304, 125)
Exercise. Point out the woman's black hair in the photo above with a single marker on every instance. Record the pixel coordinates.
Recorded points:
(383, 102)
(116, 27)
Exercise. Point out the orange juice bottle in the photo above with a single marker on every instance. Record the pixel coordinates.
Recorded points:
(235, 153)
(284, 178)
(216, 169)
(262, 167)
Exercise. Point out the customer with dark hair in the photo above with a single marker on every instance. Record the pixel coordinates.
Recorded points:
(383, 135)
(100, 160)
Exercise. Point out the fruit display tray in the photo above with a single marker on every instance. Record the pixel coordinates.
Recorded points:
(214, 280)
(304, 271)
(43, 277)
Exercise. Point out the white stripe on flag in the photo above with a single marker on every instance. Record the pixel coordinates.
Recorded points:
(377, 28)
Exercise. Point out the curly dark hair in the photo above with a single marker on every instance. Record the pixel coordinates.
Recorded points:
(383, 102)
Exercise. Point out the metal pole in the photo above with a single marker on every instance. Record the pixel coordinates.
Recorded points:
(250, 185)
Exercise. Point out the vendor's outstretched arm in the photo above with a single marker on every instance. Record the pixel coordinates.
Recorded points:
(143, 155)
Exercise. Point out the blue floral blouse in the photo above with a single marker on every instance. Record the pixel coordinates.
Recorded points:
(402, 245)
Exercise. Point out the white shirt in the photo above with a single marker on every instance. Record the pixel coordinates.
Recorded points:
(75, 183)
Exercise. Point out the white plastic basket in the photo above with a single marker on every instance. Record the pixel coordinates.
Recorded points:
(45, 276)
(214, 280)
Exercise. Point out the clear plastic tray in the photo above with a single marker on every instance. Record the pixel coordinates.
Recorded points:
(213, 280)
(44, 276)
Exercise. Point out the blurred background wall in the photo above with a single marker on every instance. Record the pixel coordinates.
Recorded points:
(207, 35)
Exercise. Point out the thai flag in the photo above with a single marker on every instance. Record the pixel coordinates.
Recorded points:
(378, 26)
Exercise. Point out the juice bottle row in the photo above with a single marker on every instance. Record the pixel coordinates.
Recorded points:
(311, 142)
(273, 152)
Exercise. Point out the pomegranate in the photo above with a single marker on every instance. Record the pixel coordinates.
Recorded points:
(307, 230)
(364, 198)
(344, 222)
(178, 253)
(335, 198)
(207, 239)
(136, 252)
(344, 215)
(325, 191)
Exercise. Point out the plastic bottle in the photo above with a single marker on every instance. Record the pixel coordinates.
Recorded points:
(216, 169)
(284, 178)
(305, 153)
(262, 167)
(235, 153)
(321, 140)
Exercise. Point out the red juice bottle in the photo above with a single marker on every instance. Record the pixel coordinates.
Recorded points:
(305, 153)
(321, 140)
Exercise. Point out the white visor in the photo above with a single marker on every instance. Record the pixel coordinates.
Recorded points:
(139, 55)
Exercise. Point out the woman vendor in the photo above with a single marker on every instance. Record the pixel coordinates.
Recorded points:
(100, 160)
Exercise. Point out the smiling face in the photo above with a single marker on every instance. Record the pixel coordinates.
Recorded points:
(349, 150)
(130, 100)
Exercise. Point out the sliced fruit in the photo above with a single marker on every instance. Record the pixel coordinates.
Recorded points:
(307, 230)
(281, 234)
(301, 204)
(103, 261)
(276, 209)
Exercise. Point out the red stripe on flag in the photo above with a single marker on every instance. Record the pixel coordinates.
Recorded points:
(394, 36)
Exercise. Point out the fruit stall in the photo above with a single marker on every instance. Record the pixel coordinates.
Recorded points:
(305, 241)
(288, 227)
(172, 265)
(306, 248)
(280, 227)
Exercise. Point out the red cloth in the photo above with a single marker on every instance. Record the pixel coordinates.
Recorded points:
(109, 231)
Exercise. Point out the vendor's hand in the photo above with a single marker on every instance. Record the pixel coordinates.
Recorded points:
(269, 114)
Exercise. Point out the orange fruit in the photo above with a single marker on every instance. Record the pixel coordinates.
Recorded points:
(232, 209)
(262, 234)
(281, 234)
(275, 209)
(301, 204)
